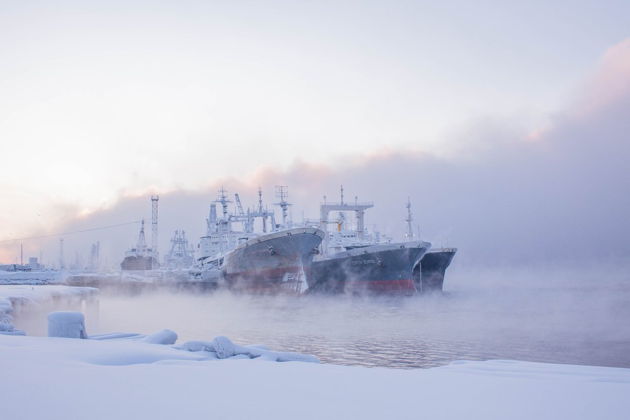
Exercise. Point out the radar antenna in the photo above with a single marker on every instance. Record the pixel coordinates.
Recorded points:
(223, 200)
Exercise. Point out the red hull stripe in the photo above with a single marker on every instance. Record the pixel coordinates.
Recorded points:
(384, 285)
(268, 271)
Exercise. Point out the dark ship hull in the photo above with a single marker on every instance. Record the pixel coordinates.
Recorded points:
(372, 270)
(138, 263)
(429, 274)
(274, 263)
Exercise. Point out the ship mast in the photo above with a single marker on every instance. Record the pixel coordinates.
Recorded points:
(141, 245)
(223, 200)
(262, 214)
(409, 220)
(282, 192)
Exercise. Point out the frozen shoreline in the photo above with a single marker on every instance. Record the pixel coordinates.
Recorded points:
(14, 297)
(127, 376)
(32, 277)
(57, 378)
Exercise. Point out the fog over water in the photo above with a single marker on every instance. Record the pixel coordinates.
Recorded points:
(575, 316)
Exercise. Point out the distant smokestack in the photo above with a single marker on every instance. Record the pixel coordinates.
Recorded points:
(154, 226)
(61, 264)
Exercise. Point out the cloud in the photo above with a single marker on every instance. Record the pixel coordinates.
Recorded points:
(610, 82)
(502, 199)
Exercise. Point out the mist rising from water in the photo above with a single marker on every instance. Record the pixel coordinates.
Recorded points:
(574, 315)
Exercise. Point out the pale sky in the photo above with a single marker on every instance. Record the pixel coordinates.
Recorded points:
(110, 98)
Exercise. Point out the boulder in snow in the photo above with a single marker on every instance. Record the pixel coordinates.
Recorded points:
(223, 347)
(161, 337)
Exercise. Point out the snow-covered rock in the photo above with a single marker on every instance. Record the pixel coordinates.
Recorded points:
(161, 337)
(66, 324)
(223, 348)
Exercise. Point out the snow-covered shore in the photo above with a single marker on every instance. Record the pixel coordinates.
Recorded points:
(59, 378)
(32, 277)
(15, 297)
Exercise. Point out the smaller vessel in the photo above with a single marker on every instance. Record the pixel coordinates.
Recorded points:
(140, 258)
(428, 275)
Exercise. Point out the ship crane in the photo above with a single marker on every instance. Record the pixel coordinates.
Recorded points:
(246, 219)
(239, 206)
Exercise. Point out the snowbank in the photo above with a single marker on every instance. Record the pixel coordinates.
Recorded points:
(13, 297)
(59, 378)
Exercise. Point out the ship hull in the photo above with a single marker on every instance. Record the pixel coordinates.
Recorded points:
(138, 263)
(429, 274)
(275, 263)
(373, 270)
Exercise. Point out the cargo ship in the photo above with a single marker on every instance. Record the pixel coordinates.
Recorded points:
(246, 261)
(278, 262)
(370, 270)
(356, 261)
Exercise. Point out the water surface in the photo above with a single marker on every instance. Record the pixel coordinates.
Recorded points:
(555, 316)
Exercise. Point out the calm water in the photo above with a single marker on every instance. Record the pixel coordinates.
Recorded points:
(563, 317)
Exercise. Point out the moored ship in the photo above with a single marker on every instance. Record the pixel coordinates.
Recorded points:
(278, 262)
(370, 270)
(357, 262)
(247, 261)
(140, 258)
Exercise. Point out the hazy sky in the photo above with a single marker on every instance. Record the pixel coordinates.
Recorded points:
(107, 100)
